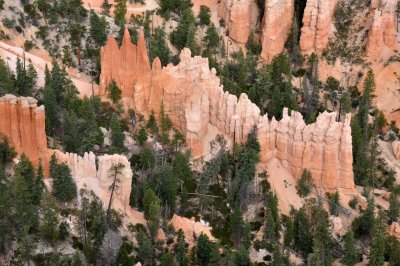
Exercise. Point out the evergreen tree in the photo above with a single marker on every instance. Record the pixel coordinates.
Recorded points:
(181, 249)
(204, 16)
(152, 123)
(142, 136)
(114, 92)
(272, 223)
(106, 7)
(350, 256)
(120, 12)
(6, 78)
(242, 257)
(212, 38)
(377, 254)
(123, 257)
(117, 136)
(25, 78)
(147, 159)
(184, 35)
(203, 250)
(305, 183)
(302, 235)
(154, 210)
(49, 220)
(149, 198)
(6, 221)
(64, 187)
(159, 47)
(98, 28)
(394, 207)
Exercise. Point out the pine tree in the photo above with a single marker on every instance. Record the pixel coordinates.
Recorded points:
(105, 8)
(6, 222)
(114, 92)
(350, 256)
(184, 34)
(302, 234)
(394, 207)
(49, 220)
(98, 28)
(181, 249)
(152, 123)
(153, 220)
(142, 136)
(159, 47)
(64, 187)
(120, 12)
(6, 78)
(379, 237)
(242, 257)
(117, 136)
(203, 250)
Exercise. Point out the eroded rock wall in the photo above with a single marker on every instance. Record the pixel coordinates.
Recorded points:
(317, 27)
(88, 175)
(237, 15)
(276, 24)
(194, 100)
(382, 33)
(23, 123)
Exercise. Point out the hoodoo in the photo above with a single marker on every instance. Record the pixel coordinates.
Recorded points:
(194, 100)
(23, 123)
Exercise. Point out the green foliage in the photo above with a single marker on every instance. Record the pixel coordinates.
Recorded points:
(64, 187)
(6, 78)
(332, 83)
(181, 249)
(106, 7)
(353, 203)
(185, 33)
(305, 183)
(152, 123)
(8, 23)
(238, 229)
(253, 45)
(147, 159)
(153, 217)
(49, 221)
(394, 207)
(142, 136)
(334, 203)
(117, 136)
(149, 198)
(302, 232)
(114, 92)
(379, 236)
(272, 223)
(25, 78)
(362, 225)
(120, 12)
(204, 16)
(171, 6)
(7, 153)
(158, 46)
(211, 38)
(98, 28)
(351, 254)
(203, 250)
(123, 257)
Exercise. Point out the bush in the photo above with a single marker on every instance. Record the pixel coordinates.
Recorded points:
(8, 23)
(305, 183)
(204, 16)
(353, 203)
(28, 45)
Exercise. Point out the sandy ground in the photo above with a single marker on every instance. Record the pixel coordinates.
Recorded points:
(284, 186)
(10, 54)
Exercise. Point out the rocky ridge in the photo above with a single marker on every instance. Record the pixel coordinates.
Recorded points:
(193, 98)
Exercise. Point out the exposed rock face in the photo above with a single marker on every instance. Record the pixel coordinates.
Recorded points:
(23, 123)
(194, 100)
(316, 25)
(87, 175)
(382, 32)
(278, 15)
(128, 66)
(394, 229)
(237, 16)
(396, 149)
(191, 229)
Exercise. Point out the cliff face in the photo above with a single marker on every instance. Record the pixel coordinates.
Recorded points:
(316, 25)
(127, 65)
(382, 33)
(278, 15)
(23, 123)
(196, 103)
(237, 17)
(87, 175)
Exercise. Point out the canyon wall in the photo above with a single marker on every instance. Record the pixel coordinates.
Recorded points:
(276, 24)
(316, 28)
(382, 34)
(23, 123)
(237, 15)
(194, 100)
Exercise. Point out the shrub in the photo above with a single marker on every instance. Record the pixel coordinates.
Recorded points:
(305, 183)
(353, 203)
(8, 23)
(28, 45)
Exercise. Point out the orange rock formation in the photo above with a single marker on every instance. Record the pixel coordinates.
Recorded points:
(23, 123)
(316, 25)
(382, 32)
(195, 102)
(191, 229)
(276, 25)
(237, 16)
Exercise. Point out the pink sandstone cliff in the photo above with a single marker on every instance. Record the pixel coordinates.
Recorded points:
(237, 17)
(316, 25)
(23, 123)
(382, 33)
(396, 149)
(277, 21)
(195, 102)
(191, 229)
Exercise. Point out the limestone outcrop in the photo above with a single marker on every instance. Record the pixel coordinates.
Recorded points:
(396, 149)
(191, 229)
(194, 100)
(99, 178)
(316, 25)
(278, 15)
(383, 31)
(237, 17)
(23, 123)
